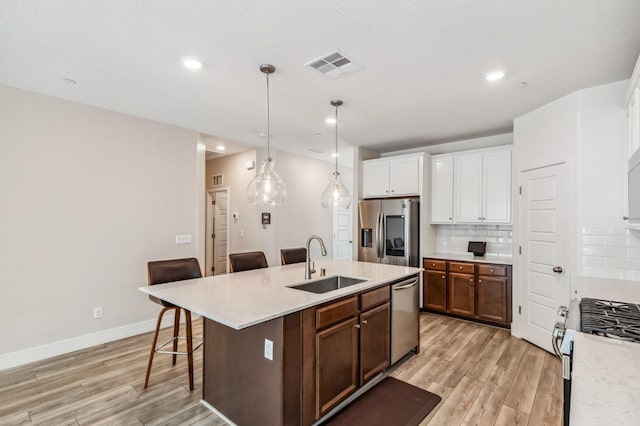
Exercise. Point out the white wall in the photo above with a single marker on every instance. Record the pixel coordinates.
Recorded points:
(88, 196)
(605, 249)
(292, 223)
(585, 130)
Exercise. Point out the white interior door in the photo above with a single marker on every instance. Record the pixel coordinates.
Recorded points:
(342, 234)
(208, 249)
(544, 230)
(220, 233)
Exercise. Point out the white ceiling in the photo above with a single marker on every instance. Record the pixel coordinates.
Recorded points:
(423, 61)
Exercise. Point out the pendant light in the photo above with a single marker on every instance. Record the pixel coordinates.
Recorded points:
(336, 194)
(266, 188)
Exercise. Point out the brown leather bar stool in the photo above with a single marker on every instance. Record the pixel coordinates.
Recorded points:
(293, 255)
(164, 271)
(239, 262)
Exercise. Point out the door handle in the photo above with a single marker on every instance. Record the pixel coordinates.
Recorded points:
(557, 269)
(413, 284)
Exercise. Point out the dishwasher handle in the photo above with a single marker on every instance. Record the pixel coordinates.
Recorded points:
(405, 284)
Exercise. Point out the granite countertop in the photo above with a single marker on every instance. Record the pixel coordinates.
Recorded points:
(605, 381)
(243, 299)
(463, 257)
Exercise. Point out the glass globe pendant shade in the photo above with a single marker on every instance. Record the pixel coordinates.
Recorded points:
(336, 194)
(266, 188)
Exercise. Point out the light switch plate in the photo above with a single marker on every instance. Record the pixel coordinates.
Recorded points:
(268, 349)
(183, 239)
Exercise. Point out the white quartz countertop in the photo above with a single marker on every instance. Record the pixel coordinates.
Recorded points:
(497, 260)
(243, 299)
(605, 381)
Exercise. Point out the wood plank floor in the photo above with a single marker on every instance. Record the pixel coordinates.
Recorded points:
(484, 376)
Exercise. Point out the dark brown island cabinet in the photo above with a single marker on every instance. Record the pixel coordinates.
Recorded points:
(470, 290)
(321, 356)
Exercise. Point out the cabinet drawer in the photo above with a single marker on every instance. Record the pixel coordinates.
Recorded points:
(461, 268)
(374, 297)
(434, 265)
(500, 271)
(336, 312)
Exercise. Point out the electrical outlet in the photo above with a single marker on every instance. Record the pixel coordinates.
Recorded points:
(268, 349)
(97, 312)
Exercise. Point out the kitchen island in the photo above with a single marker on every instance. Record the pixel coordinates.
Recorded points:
(278, 355)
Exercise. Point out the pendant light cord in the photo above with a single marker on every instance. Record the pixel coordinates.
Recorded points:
(336, 138)
(268, 121)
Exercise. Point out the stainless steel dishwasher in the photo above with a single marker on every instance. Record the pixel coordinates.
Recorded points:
(405, 317)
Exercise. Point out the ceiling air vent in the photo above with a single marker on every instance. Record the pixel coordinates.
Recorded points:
(334, 65)
(216, 180)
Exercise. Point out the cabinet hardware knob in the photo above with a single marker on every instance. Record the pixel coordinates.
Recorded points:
(491, 270)
(433, 264)
(393, 190)
(625, 217)
(471, 280)
(557, 269)
(461, 267)
(357, 325)
(479, 281)
(364, 321)
(450, 218)
(443, 277)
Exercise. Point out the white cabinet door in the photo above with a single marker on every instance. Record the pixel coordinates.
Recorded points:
(442, 190)
(375, 178)
(404, 176)
(496, 182)
(468, 188)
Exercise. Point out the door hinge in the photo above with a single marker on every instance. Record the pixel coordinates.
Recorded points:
(520, 190)
(213, 235)
(519, 249)
(213, 269)
(519, 309)
(213, 202)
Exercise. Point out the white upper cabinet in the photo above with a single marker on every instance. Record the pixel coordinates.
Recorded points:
(468, 188)
(442, 190)
(471, 187)
(391, 177)
(496, 185)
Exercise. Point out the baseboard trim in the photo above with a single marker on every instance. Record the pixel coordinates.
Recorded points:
(216, 412)
(38, 353)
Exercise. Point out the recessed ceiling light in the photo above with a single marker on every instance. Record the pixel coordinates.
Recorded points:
(69, 81)
(317, 134)
(192, 63)
(330, 120)
(494, 75)
(521, 85)
(334, 155)
(262, 134)
(220, 147)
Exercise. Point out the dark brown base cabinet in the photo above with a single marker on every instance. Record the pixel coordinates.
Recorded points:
(351, 352)
(321, 355)
(476, 291)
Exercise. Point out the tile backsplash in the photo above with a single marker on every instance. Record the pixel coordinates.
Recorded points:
(610, 253)
(454, 238)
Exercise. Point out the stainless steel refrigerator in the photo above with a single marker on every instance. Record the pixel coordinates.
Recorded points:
(389, 231)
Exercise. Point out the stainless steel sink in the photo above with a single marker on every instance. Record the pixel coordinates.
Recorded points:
(328, 284)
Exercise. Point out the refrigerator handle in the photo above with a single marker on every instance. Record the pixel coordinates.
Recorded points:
(380, 235)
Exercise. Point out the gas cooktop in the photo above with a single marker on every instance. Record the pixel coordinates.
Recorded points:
(607, 318)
